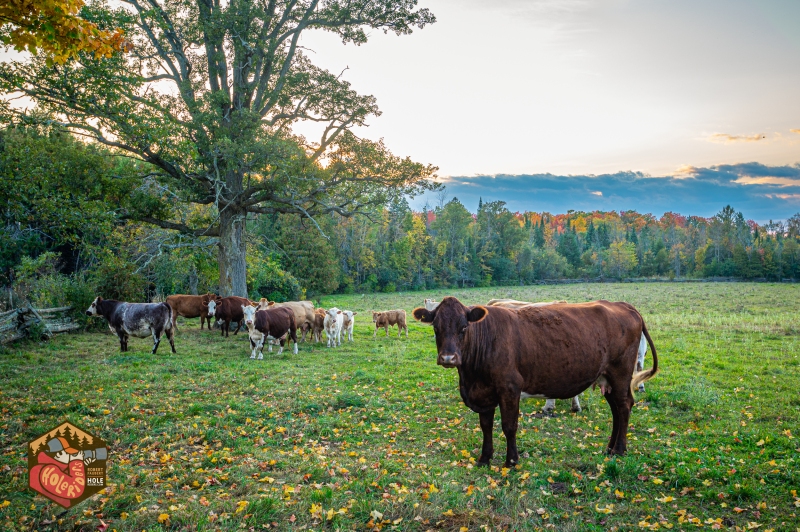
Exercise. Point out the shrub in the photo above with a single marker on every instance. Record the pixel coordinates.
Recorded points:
(265, 278)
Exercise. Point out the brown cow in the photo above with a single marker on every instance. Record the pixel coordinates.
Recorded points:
(319, 325)
(228, 309)
(556, 351)
(272, 324)
(387, 318)
(190, 307)
(303, 313)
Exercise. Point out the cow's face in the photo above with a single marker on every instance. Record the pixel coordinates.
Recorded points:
(375, 317)
(450, 322)
(212, 307)
(263, 303)
(333, 313)
(92, 310)
(249, 314)
(348, 315)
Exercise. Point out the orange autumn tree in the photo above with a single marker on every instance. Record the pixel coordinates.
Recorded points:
(56, 28)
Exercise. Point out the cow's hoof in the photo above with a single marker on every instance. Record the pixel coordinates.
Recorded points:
(548, 411)
(641, 388)
(484, 463)
(576, 409)
(510, 464)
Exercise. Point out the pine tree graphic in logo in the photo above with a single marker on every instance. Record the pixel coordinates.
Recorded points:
(67, 465)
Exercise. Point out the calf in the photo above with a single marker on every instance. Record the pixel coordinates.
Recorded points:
(190, 307)
(333, 326)
(228, 309)
(430, 304)
(135, 319)
(347, 324)
(303, 313)
(319, 325)
(553, 351)
(388, 318)
(269, 324)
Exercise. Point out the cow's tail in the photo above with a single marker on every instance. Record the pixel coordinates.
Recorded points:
(169, 322)
(642, 376)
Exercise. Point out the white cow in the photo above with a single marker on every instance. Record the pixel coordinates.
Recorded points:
(333, 326)
(347, 324)
(430, 304)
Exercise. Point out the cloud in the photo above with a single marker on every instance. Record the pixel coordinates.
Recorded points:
(762, 192)
(795, 131)
(725, 138)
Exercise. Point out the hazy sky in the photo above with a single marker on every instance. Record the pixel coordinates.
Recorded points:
(582, 88)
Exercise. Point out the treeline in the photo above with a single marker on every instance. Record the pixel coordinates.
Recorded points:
(66, 235)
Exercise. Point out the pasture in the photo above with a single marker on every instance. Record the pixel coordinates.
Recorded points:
(373, 435)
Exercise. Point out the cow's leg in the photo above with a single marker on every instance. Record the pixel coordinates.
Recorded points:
(612, 403)
(387, 331)
(293, 336)
(406, 328)
(375, 332)
(509, 417)
(576, 404)
(260, 347)
(156, 341)
(487, 450)
(623, 398)
(549, 406)
(640, 359)
(123, 341)
(238, 326)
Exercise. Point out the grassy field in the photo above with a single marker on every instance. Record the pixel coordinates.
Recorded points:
(373, 435)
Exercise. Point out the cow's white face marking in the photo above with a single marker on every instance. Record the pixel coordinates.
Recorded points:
(524, 395)
(212, 308)
(249, 315)
(92, 310)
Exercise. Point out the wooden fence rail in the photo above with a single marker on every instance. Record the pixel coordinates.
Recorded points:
(17, 323)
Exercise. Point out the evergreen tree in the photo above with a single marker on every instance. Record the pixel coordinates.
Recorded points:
(538, 234)
(590, 235)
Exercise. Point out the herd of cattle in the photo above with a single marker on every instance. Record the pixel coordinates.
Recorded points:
(504, 351)
(266, 321)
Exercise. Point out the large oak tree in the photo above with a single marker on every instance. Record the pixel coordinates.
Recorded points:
(208, 96)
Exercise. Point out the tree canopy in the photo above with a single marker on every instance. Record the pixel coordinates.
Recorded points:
(208, 96)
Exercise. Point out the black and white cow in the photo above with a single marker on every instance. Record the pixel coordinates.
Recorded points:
(135, 319)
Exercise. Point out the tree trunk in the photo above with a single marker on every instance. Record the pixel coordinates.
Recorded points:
(232, 253)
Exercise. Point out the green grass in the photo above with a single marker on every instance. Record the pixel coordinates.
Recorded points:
(377, 433)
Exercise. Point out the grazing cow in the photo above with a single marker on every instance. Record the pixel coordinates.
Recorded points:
(188, 306)
(387, 318)
(269, 324)
(303, 313)
(319, 325)
(228, 309)
(347, 324)
(554, 351)
(430, 304)
(550, 404)
(135, 319)
(333, 326)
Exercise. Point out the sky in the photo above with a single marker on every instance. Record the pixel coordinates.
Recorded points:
(657, 106)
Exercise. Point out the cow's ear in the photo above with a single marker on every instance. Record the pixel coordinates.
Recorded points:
(271, 303)
(99, 299)
(422, 314)
(476, 314)
(338, 312)
(354, 313)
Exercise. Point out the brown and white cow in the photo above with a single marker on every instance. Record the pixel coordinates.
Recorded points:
(188, 306)
(553, 351)
(303, 313)
(269, 325)
(348, 321)
(319, 325)
(228, 309)
(387, 318)
(135, 319)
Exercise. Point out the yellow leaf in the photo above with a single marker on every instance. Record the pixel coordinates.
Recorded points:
(397, 521)
(666, 499)
(138, 498)
(123, 515)
(106, 412)
(376, 515)
(432, 489)
(619, 494)
(657, 481)
(240, 506)
(759, 443)
(607, 510)
(5, 503)
(163, 518)
(707, 483)
(330, 514)
(448, 513)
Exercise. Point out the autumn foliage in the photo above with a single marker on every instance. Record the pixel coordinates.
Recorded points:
(56, 28)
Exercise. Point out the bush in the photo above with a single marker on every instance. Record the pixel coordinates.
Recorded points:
(39, 283)
(265, 278)
(115, 278)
